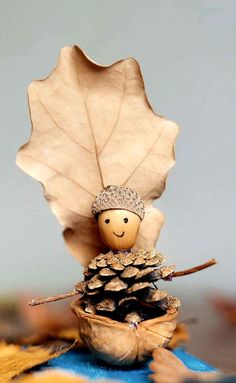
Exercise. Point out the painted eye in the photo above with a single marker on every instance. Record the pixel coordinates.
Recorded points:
(125, 220)
(107, 221)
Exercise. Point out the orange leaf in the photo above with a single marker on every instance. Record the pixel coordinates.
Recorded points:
(167, 368)
(15, 360)
(57, 376)
(67, 334)
(180, 336)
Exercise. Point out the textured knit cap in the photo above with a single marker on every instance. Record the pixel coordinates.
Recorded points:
(118, 197)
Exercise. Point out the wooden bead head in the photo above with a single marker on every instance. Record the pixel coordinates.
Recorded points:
(118, 228)
(119, 211)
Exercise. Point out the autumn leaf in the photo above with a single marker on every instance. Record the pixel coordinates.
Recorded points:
(167, 368)
(226, 307)
(67, 334)
(92, 126)
(57, 376)
(53, 376)
(14, 359)
(46, 318)
(180, 336)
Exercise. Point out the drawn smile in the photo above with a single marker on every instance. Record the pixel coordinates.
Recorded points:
(119, 235)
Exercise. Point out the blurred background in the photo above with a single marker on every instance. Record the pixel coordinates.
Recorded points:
(186, 49)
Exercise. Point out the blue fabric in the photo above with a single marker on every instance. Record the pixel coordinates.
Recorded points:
(192, 362)
(86, 364)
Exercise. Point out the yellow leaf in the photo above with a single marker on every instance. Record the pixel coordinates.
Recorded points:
(71, 333)
(57, 376)
(66, 334)
(15, 359)
(52, 376)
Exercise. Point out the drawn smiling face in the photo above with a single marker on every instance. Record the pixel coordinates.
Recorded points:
(118, 228)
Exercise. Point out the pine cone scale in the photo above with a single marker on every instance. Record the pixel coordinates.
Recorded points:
(119, 285)
(116, 284)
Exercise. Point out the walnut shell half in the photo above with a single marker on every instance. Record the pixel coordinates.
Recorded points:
(123, 344)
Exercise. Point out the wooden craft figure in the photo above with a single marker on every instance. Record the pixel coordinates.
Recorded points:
(103, 156)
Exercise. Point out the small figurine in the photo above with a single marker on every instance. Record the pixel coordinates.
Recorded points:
(118, 283)
(117, 286)
(103, 156)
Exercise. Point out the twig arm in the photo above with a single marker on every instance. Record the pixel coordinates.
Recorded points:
(211, 262)
(41, 301)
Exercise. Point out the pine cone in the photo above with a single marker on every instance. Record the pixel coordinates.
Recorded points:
(118, 285)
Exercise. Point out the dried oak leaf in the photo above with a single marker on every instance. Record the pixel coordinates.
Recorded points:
(41, 338)
(180, 336)
(92, 126)
(45, 318)
(167, 368)
(226, 307)
(52, 377)
(14, 360)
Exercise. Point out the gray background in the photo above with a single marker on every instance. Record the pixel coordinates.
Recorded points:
(187, 54)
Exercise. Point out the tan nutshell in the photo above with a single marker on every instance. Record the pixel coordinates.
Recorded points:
(92, 126)
(121, 343)
(118, 228)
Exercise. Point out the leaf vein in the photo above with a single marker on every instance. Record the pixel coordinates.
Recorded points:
(58, 172)
(63, 130)
(118, 115)
(144, 158)
(67, 208)
(91, 129)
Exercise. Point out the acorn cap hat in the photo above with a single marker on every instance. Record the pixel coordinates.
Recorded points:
(118, 197)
